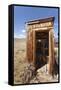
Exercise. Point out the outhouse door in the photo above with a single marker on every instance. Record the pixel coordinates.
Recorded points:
(41, 48)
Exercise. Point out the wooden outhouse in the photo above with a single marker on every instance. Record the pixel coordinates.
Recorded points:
(40, 43)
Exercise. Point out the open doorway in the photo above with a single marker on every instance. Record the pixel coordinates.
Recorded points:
(41, 48)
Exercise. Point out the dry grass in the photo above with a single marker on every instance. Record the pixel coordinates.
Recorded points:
(20, 62)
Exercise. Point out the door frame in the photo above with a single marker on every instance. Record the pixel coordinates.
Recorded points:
(34, 41)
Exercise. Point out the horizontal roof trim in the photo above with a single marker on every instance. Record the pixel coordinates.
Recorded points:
(40, 20)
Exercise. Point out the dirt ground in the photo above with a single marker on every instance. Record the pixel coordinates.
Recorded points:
(20, 63)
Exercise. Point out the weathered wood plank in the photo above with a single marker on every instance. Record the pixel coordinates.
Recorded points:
(43, 26)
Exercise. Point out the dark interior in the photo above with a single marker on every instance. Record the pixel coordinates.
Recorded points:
(42, 48)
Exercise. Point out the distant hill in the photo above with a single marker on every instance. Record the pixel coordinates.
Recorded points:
(24, 39)
(19, 38)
